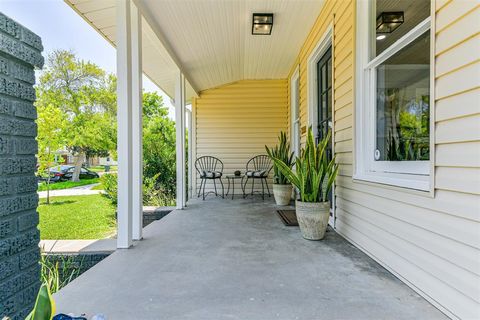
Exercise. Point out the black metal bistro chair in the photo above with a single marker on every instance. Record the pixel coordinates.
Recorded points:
(209, 168)
(258, 168)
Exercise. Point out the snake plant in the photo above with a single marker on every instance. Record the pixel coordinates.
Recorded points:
(314, 174)
(282, 152)
(44, 305)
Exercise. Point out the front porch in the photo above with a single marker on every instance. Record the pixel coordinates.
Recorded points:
(224, 258)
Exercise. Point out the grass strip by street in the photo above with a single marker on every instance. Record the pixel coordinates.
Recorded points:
(101, 168)
(66, 184)
(77, 217)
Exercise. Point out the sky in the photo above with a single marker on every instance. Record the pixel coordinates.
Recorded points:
(62, 28)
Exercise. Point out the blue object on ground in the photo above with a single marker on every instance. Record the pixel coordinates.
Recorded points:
(62, 316)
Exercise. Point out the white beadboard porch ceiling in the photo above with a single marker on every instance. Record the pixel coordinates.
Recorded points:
(210, 40)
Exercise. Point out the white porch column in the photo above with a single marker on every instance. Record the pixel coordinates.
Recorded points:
(137, 115)
(190, 154)
(124, 115)
(180, 138)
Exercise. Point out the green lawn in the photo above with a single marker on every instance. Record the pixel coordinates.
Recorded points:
(98, 187)
(101, 168)
(77, 217)
(66, 184)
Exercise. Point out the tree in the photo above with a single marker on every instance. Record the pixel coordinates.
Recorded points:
(159, 175)
(51, 124)
(159, 145)
(86, 95)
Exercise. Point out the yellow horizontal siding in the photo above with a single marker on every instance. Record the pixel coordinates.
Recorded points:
(431, 243)
(235, 122)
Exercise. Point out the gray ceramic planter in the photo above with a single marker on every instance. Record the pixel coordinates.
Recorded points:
(312, 218)
(282, 194)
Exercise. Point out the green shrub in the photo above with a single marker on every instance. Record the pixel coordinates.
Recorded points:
(110, 186)
(159, 169)
(153, 192)
(159, 153)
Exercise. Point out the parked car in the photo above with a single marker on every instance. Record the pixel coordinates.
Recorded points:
(65, 172)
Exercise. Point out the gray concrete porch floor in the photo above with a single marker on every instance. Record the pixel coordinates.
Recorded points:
(234, 259)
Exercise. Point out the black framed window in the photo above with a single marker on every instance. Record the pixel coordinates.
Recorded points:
(324, 74)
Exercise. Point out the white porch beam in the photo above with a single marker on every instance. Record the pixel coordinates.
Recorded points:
(137, 115)
(124, 115)
(147, 15)
(180, 138)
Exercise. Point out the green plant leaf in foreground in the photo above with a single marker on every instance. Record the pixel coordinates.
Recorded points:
(44, 308)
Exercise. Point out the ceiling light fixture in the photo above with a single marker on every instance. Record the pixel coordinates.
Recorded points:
(262, 23)
(381, 37)
(387, 22)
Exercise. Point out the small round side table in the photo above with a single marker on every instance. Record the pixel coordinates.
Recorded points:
(233, 177)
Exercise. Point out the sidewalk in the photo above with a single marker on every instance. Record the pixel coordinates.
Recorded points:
(76, 191)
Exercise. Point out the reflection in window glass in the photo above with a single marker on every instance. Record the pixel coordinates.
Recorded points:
(403, 100)
(413, 12)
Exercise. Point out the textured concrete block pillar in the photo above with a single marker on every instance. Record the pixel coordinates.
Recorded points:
(20, 53)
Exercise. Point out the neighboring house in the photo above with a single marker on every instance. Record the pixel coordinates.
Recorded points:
(66, 157)
(63, 157)
(397, 82)
(107, 161)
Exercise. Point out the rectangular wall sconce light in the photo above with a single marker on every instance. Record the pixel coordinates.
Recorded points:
(262, 23)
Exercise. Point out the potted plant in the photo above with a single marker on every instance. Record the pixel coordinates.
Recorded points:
(282, 188)
(313, 176)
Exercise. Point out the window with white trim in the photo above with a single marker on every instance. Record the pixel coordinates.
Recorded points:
(393, 93)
